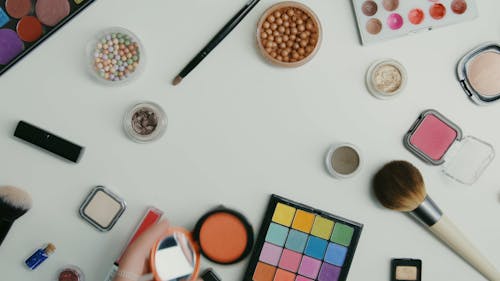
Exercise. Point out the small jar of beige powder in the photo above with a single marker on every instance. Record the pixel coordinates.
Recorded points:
(386, 78)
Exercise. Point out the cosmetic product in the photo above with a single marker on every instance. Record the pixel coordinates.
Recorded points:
(25, 24)
(289, 34)
(48, 141)
(400, 186)
(438, 141)
(145, 122)
(297, 242)
(70, 273)
(406, 270)
(102, 208)
(151, 217)
(233, 22)
(479, 73)
(343, 160)
(40, 256)
(14, 203)
(387, 19)
(115, 56)
(386, 78)
(222, 235)
(209, 275)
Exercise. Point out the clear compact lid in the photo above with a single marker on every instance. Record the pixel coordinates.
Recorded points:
(467, 159)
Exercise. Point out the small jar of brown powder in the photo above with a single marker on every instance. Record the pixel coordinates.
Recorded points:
(145, 122)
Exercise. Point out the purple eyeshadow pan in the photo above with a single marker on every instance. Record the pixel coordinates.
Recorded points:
(10, 45)
(329, 272)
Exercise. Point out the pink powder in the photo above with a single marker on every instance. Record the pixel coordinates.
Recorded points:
(433, 137)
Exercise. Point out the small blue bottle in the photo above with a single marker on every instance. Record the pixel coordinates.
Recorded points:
(40, 256)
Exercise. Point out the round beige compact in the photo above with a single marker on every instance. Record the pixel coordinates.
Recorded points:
(343, 160)
(386, 78)
(289, 34)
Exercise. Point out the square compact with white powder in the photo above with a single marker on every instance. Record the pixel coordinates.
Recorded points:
(102, 208)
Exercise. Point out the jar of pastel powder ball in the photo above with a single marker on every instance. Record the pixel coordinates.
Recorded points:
(289, 34)
(115, 56)
(70, 273)
(145, 122)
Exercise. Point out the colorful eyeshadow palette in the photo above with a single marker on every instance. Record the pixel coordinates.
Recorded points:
(386, 19)
(299, 243)
(25, 24)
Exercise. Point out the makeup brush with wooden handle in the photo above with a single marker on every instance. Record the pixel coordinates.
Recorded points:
(399, 186)
(14, 202)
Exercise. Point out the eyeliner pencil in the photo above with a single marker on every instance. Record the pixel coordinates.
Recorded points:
(233, 22)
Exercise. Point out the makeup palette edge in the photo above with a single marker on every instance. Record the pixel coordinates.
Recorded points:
(76, 7)
(268, 219)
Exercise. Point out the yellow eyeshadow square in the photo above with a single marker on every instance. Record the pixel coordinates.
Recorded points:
(322, 227)
(303, 221)
(283, 214)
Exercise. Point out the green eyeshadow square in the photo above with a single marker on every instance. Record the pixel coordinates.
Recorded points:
(322, 227)
(276, 234)
(342, 234)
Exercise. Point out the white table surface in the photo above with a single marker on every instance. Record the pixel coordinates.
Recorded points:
(239, 129)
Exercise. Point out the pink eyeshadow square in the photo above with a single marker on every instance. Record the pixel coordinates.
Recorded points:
(309, 267)
(290, 260)
(302, 278)
(433, 137)
(270, 254)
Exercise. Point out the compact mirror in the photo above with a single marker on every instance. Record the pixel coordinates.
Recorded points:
(174, 257)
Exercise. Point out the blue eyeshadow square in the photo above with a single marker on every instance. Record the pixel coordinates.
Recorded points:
(335, 254)
(276, 234)
(316, 247)
(4, 19)
(296, 241)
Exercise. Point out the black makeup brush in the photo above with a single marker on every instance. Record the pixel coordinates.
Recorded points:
(14, 203)
(399, 186)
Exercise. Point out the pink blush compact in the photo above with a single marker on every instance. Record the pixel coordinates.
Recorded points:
(434, 137)
(438, 141)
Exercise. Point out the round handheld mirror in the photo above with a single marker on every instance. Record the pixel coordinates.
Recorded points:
(175, 257)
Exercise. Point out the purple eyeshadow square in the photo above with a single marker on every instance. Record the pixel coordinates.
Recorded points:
(309, 267)
(270, 254)
(329, 272)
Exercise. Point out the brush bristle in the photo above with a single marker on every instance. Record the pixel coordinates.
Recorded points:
(14, 201)
(399, 186)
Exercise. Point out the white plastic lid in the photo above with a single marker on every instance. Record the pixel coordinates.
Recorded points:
(467, 159)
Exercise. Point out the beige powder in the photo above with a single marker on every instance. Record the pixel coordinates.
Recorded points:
(484, 73)
(102, 209)
(387, 78)
(345, 160)
(406, 273)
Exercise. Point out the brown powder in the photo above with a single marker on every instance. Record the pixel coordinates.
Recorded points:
(345, 160)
